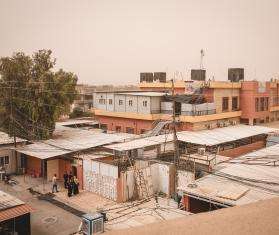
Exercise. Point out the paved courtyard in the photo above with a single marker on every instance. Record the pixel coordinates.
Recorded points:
(47, 219)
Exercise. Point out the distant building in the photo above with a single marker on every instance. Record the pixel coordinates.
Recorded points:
(8, 157)
(84, 100)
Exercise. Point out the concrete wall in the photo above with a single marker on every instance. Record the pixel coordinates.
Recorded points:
(236, 152)
(97, 97)
(126, 191)
(33, 165)
(155, 104)
(218, 98)
(185, 178)
(119, 107)
(52, 168)
(144, 109)
(123, 123)
(100, 178)
(249, 92)
(162, 178)
(134, 107)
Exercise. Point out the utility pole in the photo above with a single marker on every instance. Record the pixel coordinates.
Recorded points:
(175, 140)
(11, 122)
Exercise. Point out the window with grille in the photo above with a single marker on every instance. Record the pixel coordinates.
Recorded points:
(235, 103)
(225, 104)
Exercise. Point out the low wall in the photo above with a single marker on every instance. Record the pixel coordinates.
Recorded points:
(235, 152)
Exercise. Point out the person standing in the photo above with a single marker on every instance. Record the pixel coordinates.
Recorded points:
(70, 187)
(66, 179)
(76, 185)
(54, 184)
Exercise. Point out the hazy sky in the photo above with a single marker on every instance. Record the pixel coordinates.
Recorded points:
(112, 41)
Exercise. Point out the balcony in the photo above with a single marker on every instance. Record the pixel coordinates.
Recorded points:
(209, 117)
(274, 108)
(138, 116)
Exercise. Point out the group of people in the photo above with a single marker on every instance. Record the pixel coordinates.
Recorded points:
(70, 183)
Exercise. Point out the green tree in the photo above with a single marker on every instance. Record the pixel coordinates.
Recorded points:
(33, 95)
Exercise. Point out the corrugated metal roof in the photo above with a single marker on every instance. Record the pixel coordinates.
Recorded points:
(15, 212)
(69, 140)
(258, 180)
(7, 201)
(143, 93)
(77, 122)
(205, 137)
(6, 139)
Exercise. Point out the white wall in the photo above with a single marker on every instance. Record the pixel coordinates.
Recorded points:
(100, 178)
(117, 107)
(155, 104)
(160, 177)
(134, 107)
(144, 109)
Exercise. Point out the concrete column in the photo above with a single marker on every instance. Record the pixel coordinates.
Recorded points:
(251, 121)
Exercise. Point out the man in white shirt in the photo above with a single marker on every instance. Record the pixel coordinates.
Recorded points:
(54, 183)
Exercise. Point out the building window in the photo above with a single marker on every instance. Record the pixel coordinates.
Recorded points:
(7, 160)
(102, 101)
(262, 104)
(120, 102)
(225, 104)
(110, 101)
(130, 130)
(130, 103)
(266, 103)
(144, 103)
(142, 131)
(257, 104)
(235, 103)
(4, 160)
(118, 128)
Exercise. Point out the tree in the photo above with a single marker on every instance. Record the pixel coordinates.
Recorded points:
(33, 95)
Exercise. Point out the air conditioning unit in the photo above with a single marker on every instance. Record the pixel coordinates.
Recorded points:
(201, 151)
(92, 224)
(209, 126)
(226, 124)
(220, 124)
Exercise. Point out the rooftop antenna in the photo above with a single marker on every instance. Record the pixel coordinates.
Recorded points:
(201, 61)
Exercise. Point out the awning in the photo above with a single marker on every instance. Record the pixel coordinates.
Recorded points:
(15, 212)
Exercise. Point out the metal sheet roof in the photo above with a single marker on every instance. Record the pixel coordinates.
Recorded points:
(71, 122)
(6, 139)
(68, 140)
(8, 201)
(222, 135)
(260, 179)
(15, 212)
(149, 93)
(205, 137)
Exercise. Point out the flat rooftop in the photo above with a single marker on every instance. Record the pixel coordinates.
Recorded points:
(250, 178)
(253, 219)
(6, 139)
(205, 137)
(69, 140)
(148, 93)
